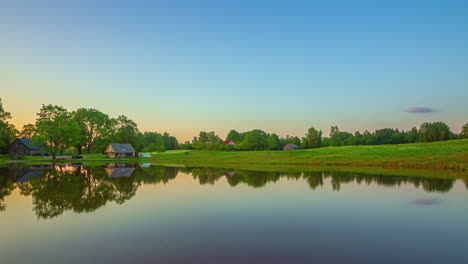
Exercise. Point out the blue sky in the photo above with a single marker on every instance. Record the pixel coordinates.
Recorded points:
(281, 66)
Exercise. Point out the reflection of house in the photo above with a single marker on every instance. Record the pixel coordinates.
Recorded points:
(118, 170)
(145, 165)
(230, 142)
(24, 173)
(23, 146)
(291, 147)
(116, 150)
(230, 174)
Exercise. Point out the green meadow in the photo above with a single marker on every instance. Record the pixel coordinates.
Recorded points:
(418, 159)
(436, 155)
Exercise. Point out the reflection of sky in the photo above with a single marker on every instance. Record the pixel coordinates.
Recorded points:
(283, 221)
(215, 65)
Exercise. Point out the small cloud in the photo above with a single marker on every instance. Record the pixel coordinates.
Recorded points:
(425, 202)
(420, 110)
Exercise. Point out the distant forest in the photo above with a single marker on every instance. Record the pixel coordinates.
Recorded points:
(60, 131)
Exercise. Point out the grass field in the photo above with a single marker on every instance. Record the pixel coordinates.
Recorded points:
(437, 155)
(420, 158)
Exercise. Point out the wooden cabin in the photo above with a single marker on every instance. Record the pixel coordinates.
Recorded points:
(291, 147)
(23, 147)
(119, 151)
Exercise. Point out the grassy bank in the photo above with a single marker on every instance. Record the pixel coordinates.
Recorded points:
(420, 159)
(437, 155)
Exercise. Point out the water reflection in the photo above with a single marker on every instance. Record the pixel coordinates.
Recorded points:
(78, 188)
(316, 179)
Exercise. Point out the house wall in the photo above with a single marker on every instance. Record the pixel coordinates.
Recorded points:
(289, 148)
(17, 147)
(113, 155)
(124, 155)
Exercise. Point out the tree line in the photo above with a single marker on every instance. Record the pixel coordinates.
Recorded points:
(85, 130)
(261, 140)
(88, 130)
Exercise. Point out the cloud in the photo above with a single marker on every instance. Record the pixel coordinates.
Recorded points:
(425, 202)
(420, 110)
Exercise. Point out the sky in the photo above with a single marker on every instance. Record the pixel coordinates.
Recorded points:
(280, 66)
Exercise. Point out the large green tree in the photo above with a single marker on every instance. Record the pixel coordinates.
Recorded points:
(93, 124)
(335, 137)
(56, 129)
(312, 139)
(437, 131)
(7, 131)
(273, 142)
(464, 133)
(234, 136)
(254, 140)
(124, 130)
(207, 141)
(28, 131)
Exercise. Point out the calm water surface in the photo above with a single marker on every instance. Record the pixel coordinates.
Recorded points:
(123, 213)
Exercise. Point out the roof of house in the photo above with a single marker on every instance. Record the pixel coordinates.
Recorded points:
(27, 143)
(119, 172)
(292, 146)
(122, 148)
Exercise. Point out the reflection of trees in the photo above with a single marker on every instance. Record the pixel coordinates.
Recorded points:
(6, 187)
(437, 185)
(79, 189)
(85, 189)
(316, 179)
(154, 175)
(207, 175)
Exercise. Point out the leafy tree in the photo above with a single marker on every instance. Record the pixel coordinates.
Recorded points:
(312, 139)
(273, 142)
(292, 140)
(464, 133)
(154, 142)
(208, 141)
(335, 137)
(326, 142)
(28, 131)
(437, 131)
(382, 136)
(170, 142)
(56, 129)
(412, 136)
(234, 136)
(124, 130)
(254, 140)
(93, 124)
(7, 131)
(186, 145)
(356, 139)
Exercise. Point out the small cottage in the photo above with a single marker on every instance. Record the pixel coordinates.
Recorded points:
(23, 146)
(291, 147)
(118, 151)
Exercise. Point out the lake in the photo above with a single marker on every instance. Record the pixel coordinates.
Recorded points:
(138, 213)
